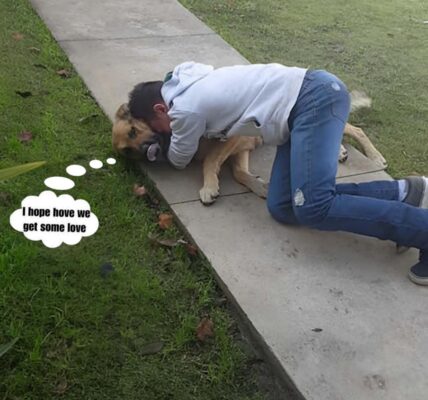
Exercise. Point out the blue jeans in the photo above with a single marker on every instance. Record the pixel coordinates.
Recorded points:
(303, 186)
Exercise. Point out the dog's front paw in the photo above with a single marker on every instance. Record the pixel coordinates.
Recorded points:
(260, 187)
(379, 159)
(208, 195)
(343, 154)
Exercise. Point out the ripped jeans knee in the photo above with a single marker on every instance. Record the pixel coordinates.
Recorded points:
(308, 213)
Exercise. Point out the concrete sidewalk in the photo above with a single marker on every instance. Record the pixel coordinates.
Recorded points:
(335, 312)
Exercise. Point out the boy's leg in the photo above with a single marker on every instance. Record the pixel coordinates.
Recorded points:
(316, 135)
(279, 200)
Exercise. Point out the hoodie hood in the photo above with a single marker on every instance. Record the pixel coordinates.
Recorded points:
(183, 76)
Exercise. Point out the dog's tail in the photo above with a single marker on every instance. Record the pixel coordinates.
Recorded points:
(359, 100)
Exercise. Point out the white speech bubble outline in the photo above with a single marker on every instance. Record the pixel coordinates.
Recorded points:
(48, 200)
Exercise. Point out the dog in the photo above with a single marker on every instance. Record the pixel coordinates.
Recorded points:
(131, 137)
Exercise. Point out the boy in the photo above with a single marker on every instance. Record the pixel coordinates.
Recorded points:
(302, 112)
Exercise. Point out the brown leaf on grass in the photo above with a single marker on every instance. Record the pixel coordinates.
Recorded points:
(17, 36)
(165, 220)
(152, 202)
(205, 329)
(166, 242)
(64, 73)
(139, 191)
(25, 137)
(191, 249)
(61, 387)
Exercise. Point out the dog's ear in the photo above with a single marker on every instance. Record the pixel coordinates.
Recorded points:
(123, 112)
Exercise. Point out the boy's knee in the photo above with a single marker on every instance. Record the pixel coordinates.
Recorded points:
(312, 215)
(282, 213)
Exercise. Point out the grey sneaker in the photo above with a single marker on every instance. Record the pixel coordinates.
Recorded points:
(419, 273)
(417, 195)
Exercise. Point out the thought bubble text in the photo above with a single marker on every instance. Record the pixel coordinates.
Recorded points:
(54, 220)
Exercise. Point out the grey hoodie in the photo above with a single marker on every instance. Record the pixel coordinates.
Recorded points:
(250, 100)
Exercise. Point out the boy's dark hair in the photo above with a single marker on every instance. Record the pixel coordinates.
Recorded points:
(142, 99)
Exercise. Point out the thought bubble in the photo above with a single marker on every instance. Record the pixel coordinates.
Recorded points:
(96, 164)
(76, 170)
(54, 220)
(59, 183)
(111, 161)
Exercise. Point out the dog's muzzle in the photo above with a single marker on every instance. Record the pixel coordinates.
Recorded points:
(157, 149)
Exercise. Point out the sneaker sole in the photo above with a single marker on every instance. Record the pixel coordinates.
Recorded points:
(417, 196)
(423, 203)
(418, 280)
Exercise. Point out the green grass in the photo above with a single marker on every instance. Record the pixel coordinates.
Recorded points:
(379, 46)
(79, 333)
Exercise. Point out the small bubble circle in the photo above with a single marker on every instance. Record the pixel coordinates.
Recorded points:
(76, 170)
(96, 164)
(59, 183)
(111, 161)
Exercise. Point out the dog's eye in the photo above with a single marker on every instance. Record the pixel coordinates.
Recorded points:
(132, 134)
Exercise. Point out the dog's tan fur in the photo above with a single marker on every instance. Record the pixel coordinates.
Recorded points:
(129, 134)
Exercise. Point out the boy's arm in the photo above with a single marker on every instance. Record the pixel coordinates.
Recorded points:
(187, 129)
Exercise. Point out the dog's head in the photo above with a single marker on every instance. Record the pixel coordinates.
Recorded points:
(134, 139)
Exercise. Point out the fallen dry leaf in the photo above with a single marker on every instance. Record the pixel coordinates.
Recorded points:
(139, 191)
(191, 249)
(17, 35)
(166, 242)
(205, 329)
(64, 73)
(61, 386)
(25, 137)
(165, 220)
(151, 201)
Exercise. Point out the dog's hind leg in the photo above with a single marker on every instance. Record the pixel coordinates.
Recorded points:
(240, 167)
(370, 151)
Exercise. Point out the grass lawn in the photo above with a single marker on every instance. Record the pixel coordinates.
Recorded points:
(379, 46)
(82, 335)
